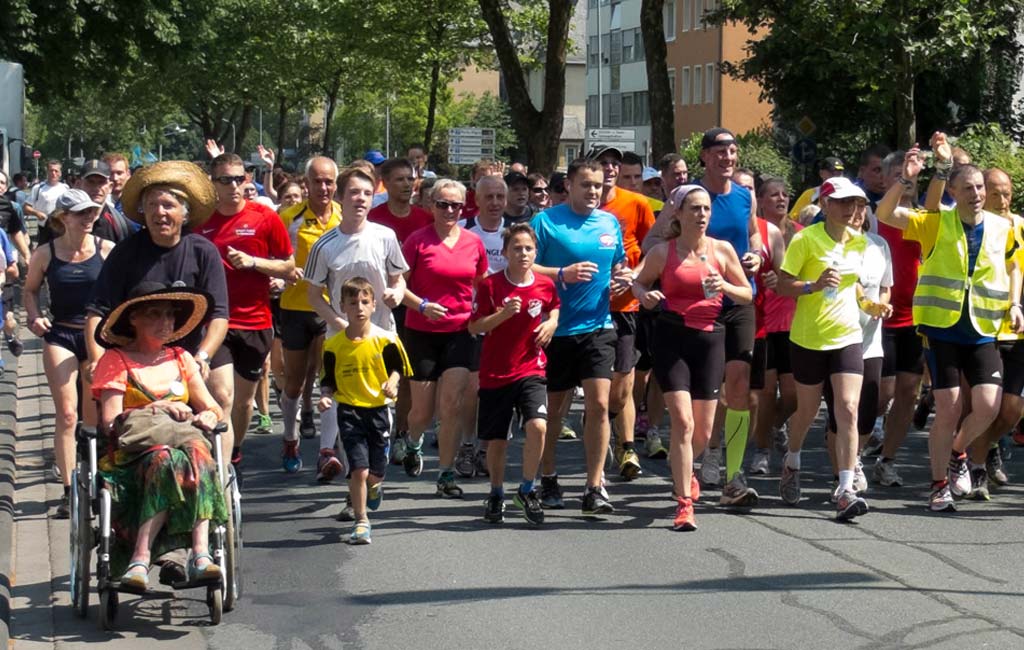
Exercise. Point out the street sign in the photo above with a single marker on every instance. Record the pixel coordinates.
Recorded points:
(806, 126)
(37, 154)
(612, 134)
(621, 146)
(804, 151)
(466, 145)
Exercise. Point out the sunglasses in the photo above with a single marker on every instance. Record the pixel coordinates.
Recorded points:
(228, 180)
(539, 190)
(448, 205)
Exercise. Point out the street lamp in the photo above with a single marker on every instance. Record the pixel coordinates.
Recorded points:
(168, 131)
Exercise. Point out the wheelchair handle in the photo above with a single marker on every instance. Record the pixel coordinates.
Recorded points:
(85, 434)
(222, 427)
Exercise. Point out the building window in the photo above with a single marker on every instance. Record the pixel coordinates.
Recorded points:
(632, 45)
(615, 112)
(641, 108)
(592, 110)
(698, 84)
(571, 154)
(615, 21)
(670, 20)
(684, 98)
(687, 14)
(672, 84)
(592, 60)
(698, 14)
(627, 109)
(615, 74)
(615, 55)
(709, 83)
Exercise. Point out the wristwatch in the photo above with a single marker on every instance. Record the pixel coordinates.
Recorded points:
(203, 357)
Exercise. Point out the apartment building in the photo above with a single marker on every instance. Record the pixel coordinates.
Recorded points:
(618, 110)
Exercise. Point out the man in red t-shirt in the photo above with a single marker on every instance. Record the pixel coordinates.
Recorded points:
(635, 218)
(903, 362)
(511, 307)
(253, 245)
(400, 215)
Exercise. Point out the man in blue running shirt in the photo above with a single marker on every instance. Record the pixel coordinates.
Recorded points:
(580, 248)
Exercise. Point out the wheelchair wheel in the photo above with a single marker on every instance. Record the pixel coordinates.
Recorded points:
(233, 546)
(215, 600)
(81, 546)
(108, 609)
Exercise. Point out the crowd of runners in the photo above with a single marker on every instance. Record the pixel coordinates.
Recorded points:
(700, 323)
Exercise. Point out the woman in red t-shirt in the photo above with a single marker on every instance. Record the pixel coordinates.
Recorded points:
(445, 263)
(689, 361)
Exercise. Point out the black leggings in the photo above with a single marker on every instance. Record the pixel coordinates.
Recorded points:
(867, 410)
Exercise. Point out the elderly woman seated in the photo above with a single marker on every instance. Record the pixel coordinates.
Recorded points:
(155, 406)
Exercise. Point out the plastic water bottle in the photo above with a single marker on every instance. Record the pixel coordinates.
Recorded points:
(708, 292)
(833, 258)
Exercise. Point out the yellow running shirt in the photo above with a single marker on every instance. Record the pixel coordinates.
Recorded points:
(358, 369)
(304, 229)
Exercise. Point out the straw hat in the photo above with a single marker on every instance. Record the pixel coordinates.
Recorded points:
(188, 178)
(192, 308)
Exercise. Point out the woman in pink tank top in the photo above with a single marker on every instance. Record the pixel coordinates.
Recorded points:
(695, 272)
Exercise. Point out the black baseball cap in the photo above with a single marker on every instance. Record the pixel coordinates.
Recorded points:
(512, 178)
(599, 150)
(712, 138)
(94, 167)
(832, 164)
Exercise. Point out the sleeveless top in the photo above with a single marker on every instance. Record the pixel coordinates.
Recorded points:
(767, 265)
(682, 284)
(136, 394)
(71, 285)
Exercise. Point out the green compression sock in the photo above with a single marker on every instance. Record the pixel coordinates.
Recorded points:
(737, 426)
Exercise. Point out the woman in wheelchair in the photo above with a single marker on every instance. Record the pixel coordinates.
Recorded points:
(155, 408)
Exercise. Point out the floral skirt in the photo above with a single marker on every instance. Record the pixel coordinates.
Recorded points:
(181, 482)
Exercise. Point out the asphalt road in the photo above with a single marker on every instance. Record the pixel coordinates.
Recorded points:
(437, 576)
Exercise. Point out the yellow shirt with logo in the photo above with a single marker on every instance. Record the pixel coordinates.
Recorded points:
(360, 368)
(304, 229)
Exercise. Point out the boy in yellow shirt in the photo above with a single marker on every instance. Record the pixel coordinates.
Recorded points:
(362, 366)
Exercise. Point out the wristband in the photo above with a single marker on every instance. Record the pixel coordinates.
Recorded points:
(904, 182)
(1015, 304)
(942, 174)
(423, 305)
(561, 277)
(807, 288)
(944, 165)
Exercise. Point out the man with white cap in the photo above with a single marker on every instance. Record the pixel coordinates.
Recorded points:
(821, 269)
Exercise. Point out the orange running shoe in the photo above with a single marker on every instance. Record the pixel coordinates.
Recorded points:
(684, 515)
(694, 488)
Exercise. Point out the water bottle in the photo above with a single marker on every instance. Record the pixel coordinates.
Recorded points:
(833, 258)
(708, 292)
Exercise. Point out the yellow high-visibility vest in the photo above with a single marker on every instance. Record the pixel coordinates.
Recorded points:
(943, 281)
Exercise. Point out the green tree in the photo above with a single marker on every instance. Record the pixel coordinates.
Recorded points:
(849, 63)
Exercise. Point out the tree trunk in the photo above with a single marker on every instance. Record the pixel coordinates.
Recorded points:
(282, 124)
(245, 123)
(332, 104)
(663, 136)
(435, 80)
(906, 122)
(539, 130)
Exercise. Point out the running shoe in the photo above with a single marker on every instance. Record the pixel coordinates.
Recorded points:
(959, 476)
(480, 461)
(694, 488)
(291, 461)
(413, 460)
(780, 438)
(464, 465)
(307, 428)
(494, 509)
(653, 446)
(347, 513)
(710, 469)
(530, 504)
(567, 433)
(979, 485)
(923, 409)
(596, 503)
(849, 505)
(789, 485)
(629, 465)
(264, 425)
(860, 481)
(360, 534)
(684, 519)
(15, 345)
(994, 467)
(327, 466)
(551, 493)
(872, 447)
(641, 427)
(736, 493)
(63, 510)
(885, 473)
(941, 499)
(761, 463)
(374, 496)
(447, 488)
(398, 446)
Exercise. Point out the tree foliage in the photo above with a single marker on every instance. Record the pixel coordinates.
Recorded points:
(845, 64)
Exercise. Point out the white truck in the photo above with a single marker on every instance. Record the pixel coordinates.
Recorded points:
(12, 116)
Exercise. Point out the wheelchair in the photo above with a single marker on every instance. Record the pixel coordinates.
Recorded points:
(90, 528)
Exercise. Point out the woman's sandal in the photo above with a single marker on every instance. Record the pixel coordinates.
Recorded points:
(134, 579)
(206, 573)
